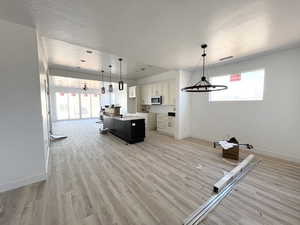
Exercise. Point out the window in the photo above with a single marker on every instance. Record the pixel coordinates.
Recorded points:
(71, 102)
(77, 105)
(95, 103)
(85, 106)
(246, 86)
(117, 97)
(74, 112)
(62, 112)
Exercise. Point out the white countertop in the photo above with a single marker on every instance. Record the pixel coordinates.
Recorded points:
(127, 118)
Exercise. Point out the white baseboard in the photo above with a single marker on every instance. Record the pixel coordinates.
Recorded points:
(264, 151)
(22, 182)
(47, 159)
(276, 155)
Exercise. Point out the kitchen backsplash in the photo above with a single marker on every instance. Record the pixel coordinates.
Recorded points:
(162, 108)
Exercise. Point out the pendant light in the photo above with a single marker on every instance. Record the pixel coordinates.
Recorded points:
(204, 85)
(110, 87)
(103, 88)
(121, 83)
(85, 87)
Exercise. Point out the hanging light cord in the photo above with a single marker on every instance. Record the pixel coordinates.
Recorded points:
(102, 71)
(110, 73)
(203, 80)
(120, 69)
(203, 67)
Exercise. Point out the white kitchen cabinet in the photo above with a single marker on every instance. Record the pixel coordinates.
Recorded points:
(146, 94)
(143, 94)
(165, 93)
(172, 92)
(150, 120)
(165, 124)
(149, 93)
(132, 92)
(166, 89)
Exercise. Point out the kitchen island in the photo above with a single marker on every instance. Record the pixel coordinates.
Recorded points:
(129, 128)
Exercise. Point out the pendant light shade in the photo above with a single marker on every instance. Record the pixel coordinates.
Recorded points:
(204, 85)
(110, 87)
(103, 88)
(85, 87)
(121, 83)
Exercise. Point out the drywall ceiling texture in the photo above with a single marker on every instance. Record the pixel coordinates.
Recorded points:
(271, 125)
(22, 159)
(63, 55)
(167, 33)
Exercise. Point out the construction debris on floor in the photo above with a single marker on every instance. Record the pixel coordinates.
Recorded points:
(222, 188)
(231, 148)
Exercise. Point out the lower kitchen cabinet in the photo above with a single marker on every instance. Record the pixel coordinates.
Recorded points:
(150, 120)
(165, 124)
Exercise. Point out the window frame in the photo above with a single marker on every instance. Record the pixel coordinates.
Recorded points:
(239, 100)
(67, 92)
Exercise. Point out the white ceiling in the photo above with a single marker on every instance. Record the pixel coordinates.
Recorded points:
(162, 33)
(63, 55)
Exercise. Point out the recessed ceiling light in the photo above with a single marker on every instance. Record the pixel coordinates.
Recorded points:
(226, 58)
(82, 60)
(89, 51)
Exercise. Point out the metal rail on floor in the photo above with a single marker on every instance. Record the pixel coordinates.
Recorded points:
(198, 215)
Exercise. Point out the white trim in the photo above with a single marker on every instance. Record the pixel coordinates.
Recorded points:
(277, 155)
(47, 160)
(22, 182)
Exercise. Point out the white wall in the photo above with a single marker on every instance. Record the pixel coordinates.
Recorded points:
(43, 71)
(159, 77)
(271, 125)
(22, 158)
(184, 108)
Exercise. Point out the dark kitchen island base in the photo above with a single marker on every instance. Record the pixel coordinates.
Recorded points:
(129, 129)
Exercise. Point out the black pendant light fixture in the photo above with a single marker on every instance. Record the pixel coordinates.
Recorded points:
(204, 85)
(110, 87)
(85, 87)
(103, 88)
(121, 83)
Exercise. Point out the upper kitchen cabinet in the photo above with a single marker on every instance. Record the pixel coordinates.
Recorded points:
(146, 94)
(132, 92)
(165, 93)
(166, 89)
(156, 89)
(172, 92)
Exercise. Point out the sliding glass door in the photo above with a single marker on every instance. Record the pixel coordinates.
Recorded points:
(62, 112)
(77, 105)
(85, 105)
(74, 111)
(95, 104)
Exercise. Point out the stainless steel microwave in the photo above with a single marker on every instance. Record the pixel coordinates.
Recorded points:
(156, 100)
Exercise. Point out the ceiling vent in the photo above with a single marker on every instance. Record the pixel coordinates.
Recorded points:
(226, 58)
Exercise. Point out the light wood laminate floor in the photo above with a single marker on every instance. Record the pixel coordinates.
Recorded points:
(97, 179)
